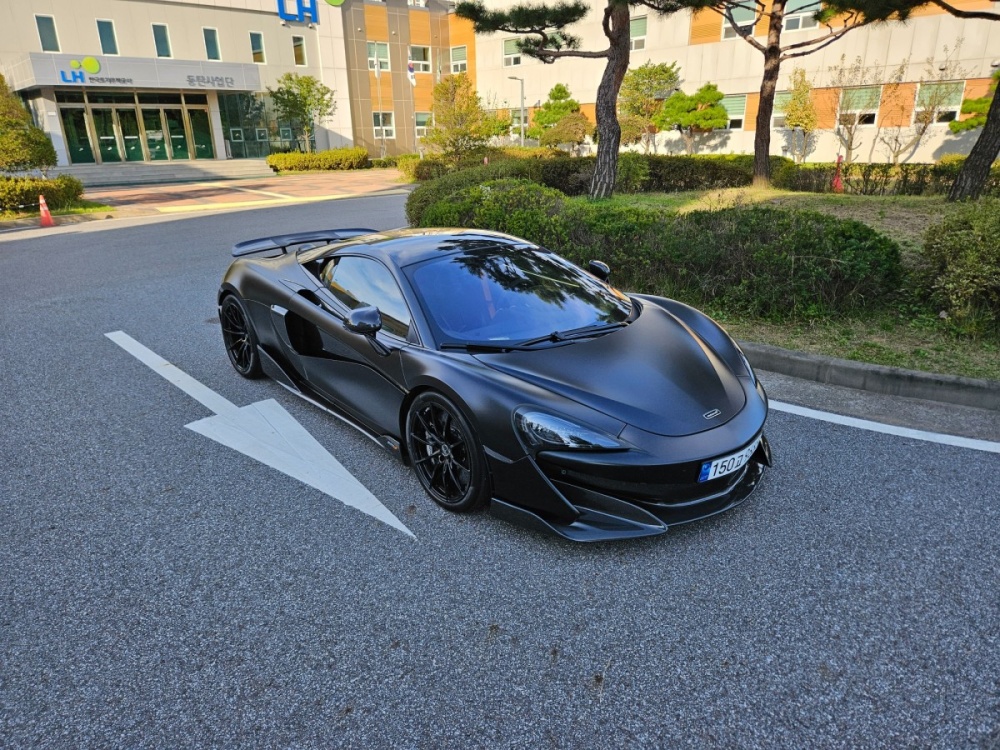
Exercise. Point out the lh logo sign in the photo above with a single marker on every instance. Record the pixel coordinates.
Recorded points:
(87, 65)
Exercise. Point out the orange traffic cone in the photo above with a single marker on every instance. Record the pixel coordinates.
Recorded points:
(43, 208)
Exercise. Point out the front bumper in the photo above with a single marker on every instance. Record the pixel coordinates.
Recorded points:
(597, 497)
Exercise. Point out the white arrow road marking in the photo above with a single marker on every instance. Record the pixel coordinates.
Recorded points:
(889, 429)
(267, 433)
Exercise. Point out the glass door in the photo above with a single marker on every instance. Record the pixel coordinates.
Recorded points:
(201, 133)
(74, 123)
(155, 141)
(179, 147)
(107, 140)
(128, 123)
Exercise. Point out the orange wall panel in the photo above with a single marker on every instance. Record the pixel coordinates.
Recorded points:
(376, 23)
(461, 33)
(826, 102)
(750, 115)
(420, 27)
(706, 27)
(976, 88)
(896, 108)
(423, 96)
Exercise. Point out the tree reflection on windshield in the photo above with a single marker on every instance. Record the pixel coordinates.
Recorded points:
(512, 294)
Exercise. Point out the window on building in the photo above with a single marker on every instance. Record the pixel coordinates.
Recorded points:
(212, 44)
(161, 40)
(736, 107)
(637, 33)
(421, 59)
(378, 55)
(257, 46)
(781, 100)
(940, 102)
(799, 14)
(459, 59)
(47, 33)
(417, 3)
(423, 121)
(383, 125)
(859, 105)
(299, 49)
(106, 32)
(745, 16)
(511, 53)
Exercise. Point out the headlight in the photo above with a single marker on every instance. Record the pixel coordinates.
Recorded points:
(541, 430)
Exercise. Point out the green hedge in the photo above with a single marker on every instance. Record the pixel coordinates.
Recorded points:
(20, 194)
(960, 267)
(879, 178)
(764, 261)
(337, 158)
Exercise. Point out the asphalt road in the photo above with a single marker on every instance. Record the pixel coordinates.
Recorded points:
(160, 590)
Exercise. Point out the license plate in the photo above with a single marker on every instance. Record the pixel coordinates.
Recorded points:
(728, 464)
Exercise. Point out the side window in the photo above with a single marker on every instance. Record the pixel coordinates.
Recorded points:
(362, 281)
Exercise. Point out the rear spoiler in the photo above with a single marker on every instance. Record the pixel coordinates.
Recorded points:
(284, 241)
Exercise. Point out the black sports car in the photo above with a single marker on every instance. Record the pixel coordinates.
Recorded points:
(504, 374)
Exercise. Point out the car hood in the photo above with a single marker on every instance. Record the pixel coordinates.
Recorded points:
(654, 374)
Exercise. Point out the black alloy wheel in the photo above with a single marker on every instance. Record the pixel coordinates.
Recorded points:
(445, 453)
(239, 337)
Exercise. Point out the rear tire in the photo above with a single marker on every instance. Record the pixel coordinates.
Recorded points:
(239, 337)
(445, 453)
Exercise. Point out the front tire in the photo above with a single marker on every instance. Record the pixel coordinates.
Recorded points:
(239, 337)
(445, 453)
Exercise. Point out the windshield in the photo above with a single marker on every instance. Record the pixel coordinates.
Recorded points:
(503, 294)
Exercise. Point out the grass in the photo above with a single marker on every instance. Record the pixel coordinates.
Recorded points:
(81, 207)
(910, 338)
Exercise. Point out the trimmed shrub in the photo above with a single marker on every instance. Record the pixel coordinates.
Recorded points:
(336, 158)
(960, 267)
(430, 169)
(384, 162)
(407, 166)
(633, 173)
(879, 178)
(25, 148)
(764, 261)
(519, 207)
(450, 183)
(20, 194)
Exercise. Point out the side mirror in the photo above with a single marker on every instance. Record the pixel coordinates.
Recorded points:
(599, 269)
(364, 320)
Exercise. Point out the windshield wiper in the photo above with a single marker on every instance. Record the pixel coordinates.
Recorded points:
(481, 348)
(571, 334)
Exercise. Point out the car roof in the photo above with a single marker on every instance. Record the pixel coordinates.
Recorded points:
(404, 247)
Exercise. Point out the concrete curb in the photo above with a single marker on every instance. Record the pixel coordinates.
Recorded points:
(891, 381)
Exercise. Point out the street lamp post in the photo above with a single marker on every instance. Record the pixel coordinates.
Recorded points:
(515, 78)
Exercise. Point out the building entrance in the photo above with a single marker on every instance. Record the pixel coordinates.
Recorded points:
(107, 127)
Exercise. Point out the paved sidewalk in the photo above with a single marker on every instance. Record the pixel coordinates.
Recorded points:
(138, 200)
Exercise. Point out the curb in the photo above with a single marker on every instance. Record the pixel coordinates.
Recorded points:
(890, 381)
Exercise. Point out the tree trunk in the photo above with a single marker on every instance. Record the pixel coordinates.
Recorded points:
(768, 85)
(609, 132)
(973, 175)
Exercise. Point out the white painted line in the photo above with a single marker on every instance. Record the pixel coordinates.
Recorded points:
(267, 433)
(888, 429)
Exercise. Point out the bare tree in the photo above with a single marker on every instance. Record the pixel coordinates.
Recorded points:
(938, 92)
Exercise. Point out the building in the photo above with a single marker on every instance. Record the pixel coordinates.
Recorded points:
(963, 55)
(116, 81)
